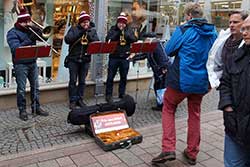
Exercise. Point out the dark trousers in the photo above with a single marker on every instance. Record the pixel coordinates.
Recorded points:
(23, 72)
(113, 65)
(77, 72)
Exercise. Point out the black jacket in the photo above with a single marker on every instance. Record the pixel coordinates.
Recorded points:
(76, 49)
(114, 35)
(235, 92)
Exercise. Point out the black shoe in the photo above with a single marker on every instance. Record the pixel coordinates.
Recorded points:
(164, 156)
(109, 99)
(80, 103)
(23, 115)
(191, 161)
(72, 105)
(156, 108)
(41, 112)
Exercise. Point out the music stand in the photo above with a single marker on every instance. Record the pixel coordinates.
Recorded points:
(31, 52)
(140, 47)
(99, 47)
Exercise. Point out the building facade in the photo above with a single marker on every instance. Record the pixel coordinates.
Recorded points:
(159, 16)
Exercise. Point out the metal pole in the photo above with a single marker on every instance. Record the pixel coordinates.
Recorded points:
(97, 66)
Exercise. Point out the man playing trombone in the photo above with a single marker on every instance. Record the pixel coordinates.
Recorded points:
(78, 61)
(21, 35)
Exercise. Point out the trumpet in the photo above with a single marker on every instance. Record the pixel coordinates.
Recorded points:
(122, 39)
(46, 33)
(84, 39)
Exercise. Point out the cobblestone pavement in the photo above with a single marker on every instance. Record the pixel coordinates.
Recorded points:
(85, 153)
(44, 132)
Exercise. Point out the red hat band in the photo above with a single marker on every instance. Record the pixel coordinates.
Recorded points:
(23, 16)
(83, 16)
(122, 19)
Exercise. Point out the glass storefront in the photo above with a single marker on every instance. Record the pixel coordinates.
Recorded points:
(159, 16)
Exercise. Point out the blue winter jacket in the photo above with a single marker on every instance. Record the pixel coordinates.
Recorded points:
(17, 38)
(190, 44)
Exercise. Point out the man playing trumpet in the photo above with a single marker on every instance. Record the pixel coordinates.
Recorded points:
(78, 61)
(20, 35)
(118, 60)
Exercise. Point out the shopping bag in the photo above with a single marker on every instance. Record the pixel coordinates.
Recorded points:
(159, 96)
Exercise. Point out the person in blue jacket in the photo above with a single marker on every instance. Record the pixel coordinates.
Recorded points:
(78, 61)
(19, 36)
(187, 78)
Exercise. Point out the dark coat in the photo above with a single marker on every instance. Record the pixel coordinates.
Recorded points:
(77, 51)
(158, 61)
(114, 35)
(17, 37)
(235, 92)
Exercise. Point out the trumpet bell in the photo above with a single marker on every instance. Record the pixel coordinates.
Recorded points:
(123, 42)
(84, 40)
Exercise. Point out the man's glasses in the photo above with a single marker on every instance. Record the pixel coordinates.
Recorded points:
(245, 29)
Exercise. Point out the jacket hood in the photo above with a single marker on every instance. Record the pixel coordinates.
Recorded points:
(202, 26)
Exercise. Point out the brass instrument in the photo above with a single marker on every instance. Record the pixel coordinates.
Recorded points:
(122, 39)
(84, 39)
(46, 33)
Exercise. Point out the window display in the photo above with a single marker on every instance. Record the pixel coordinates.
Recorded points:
(158, 16)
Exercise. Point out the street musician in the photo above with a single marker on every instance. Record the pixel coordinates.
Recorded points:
(78, 61)
(18, 36)
(118, 60)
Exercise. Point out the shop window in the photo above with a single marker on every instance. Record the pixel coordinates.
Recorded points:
(63, 9)
(145, 16)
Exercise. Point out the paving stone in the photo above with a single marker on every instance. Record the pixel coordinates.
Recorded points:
(48, 163)
(32, 165)
(217, 154)
(212, 162)
(82, 159)
(120, 165)
(154, 149)
(204, 146)
(49, 155)
(97, 151)
(129, 158)
(137, 150)
(147, 158)
(142, 165)
(65, 161)
(108, 159)
(93, 165)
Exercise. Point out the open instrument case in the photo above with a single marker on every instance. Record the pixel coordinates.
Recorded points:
(111, 130)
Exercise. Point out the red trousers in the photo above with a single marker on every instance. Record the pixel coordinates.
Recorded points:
(172, 98)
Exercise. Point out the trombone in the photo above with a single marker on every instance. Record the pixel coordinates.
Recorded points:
(46, 33)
